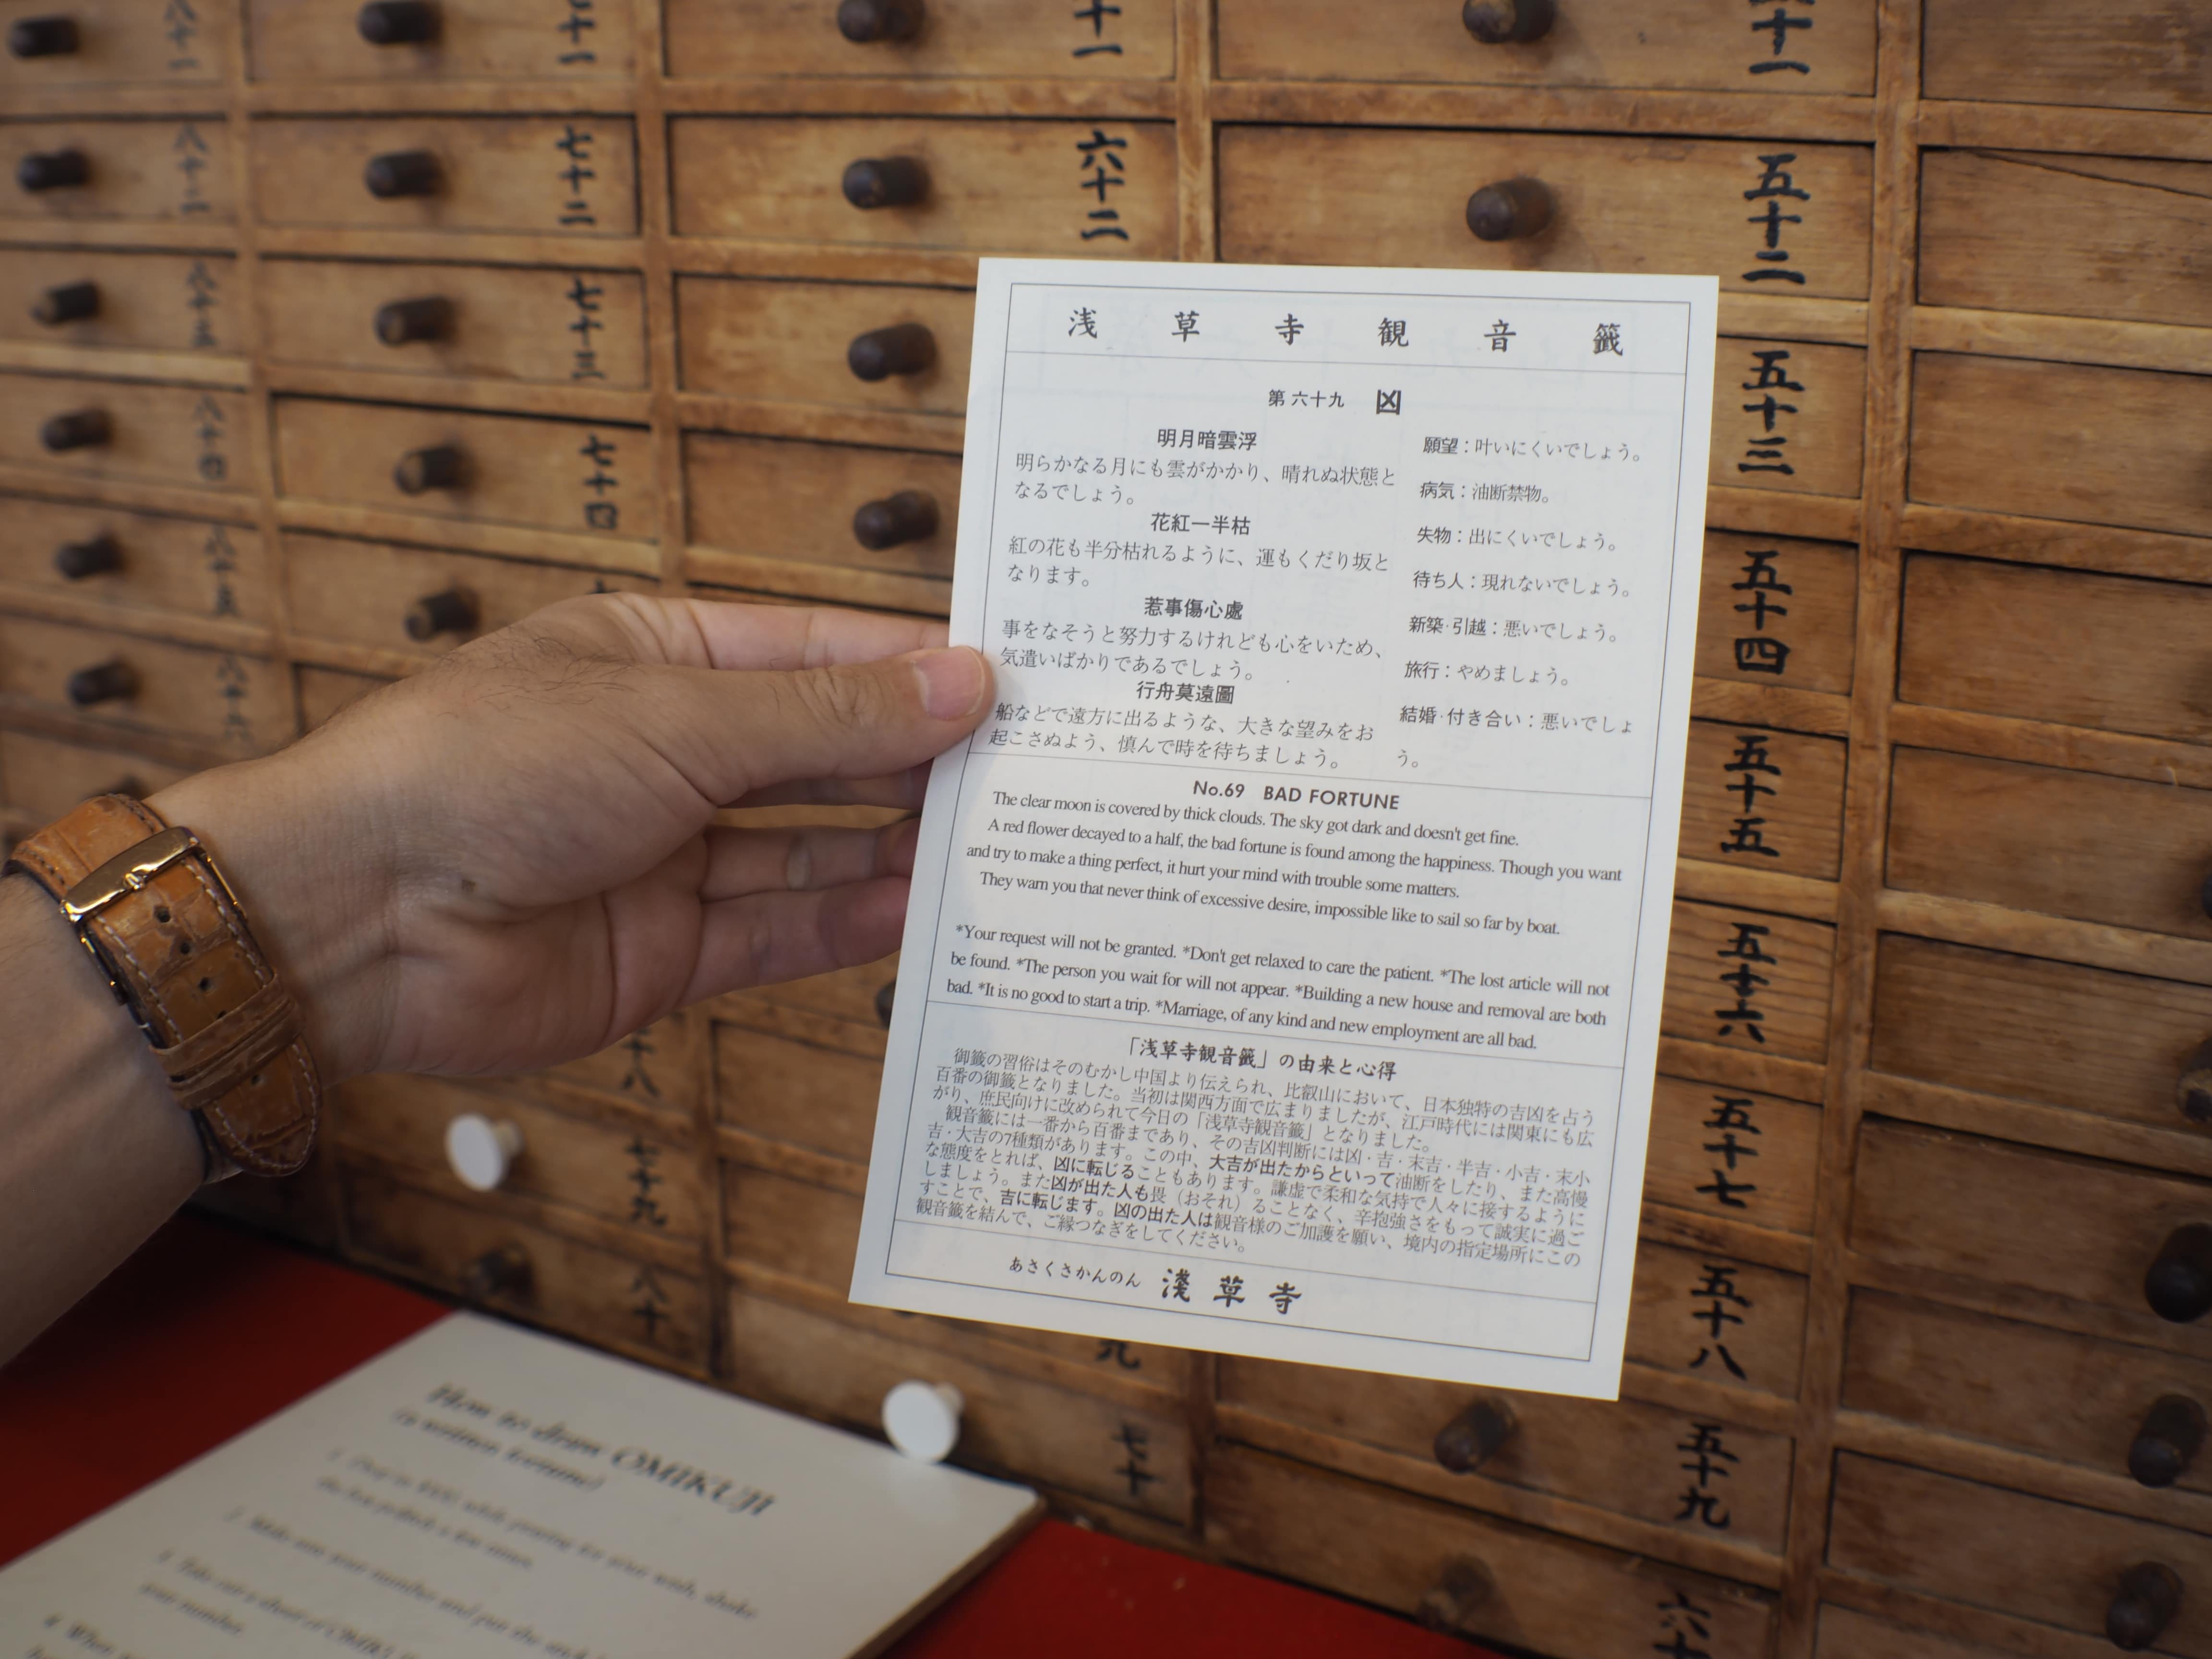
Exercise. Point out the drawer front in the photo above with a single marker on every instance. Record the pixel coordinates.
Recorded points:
(1775, 611)
(1789, 415)
(1731, 1324)
(1362, 196)
(168, 435)
(151, 169)
(481, 39)
(809, 1096)
(1708, 1478)
(624, 1175)
(2152, 55)
(513, 1267)
(1481, 1577)
(1748, 979)
(1058, 187)
(43, 779)
(1691, 44)
(184, 567)
(1847, 1633)
(780, 499)
(1137, 1459)
(790, 342)
(1982, 636)
(2076, 844)
(584, 477)
(139, 301)
(2140, 426)
(122, 40)
(323, 691)
(655, 1070)
(2027, 1557)
(575, 178)
(969, 39)
(1761, 799)
(560, 327)
(2053, 1393)
(221, 698)
(1733, 1154)
(790, 1226)
(370, 593)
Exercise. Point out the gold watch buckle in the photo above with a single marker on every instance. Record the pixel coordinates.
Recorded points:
(129, 870)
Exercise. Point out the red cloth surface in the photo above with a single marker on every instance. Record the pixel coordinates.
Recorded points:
(207, 1330)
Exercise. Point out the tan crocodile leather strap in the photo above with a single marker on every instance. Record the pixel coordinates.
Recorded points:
(163, 925)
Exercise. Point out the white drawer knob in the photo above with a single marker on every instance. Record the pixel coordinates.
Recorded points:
(923, 1419)
(481, 1151)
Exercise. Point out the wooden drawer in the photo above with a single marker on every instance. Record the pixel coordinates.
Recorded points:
(1698, 44)
(827, 1368)
(560, 327)
(638, 1180)
(1748, 979)
(801, 1093)
(1733, 1155)
(2028, 1558)
(1775, 611)
(787, 342)
(2149, 56)
(481, 40)
(223, 698)
(1763, 799)
(169, 434)
(1732, 1325)
(43, 779)
(1710, 1479)
(122, 40)
(512, 1267)
(182, 567)
(773, 498)
(1482, 1577)
(584, 477)
(2077, 844)
(323, 691)
(1788, 416)
(1982, 635)
(1364, 195)
(790, 1225)
(575, 178)
(655, 1070)
(1057, 187)
(150, 169)
(1847, 1633)
(2094, 445)
(142, 301)
(967, 39)
(371, 593)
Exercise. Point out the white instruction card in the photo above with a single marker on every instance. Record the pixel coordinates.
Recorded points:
(1282, 970)
(481, 1492)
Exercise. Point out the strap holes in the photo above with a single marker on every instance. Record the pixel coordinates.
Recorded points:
(204, 984)
(184, 947)
(161, 913)
(254, 1082)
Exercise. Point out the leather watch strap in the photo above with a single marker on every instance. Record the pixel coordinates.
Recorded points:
(163, 925)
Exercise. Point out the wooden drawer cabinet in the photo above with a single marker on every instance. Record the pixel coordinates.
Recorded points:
(792, 1225)
(1788, 416)
(476, 39)
(801, 1093)
(556, 327)
(770, 499)
(43, 778)
(1777, 611)
(964, 38)
(119, 42)
(1067, 188)
(1733, 1325)
(1764, 799)
(1363, 196)
(1748, 978)
(573, 178)
(323, 691)
(655, 1071)
(138, 301)
(858, 999)
(133, 431)
(167, 169)
(2150, 55)
(224, 699)
(1733, 1155)
(134, 562)
(795, 342)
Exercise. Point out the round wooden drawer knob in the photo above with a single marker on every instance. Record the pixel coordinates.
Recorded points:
(909, 516)
(902, 348)
(2179, 1283)
(1473, 1438)
(886, 994)
(1452, 1602)
(74, 561)
(922, 1419)
(441, 466)
(41, 37)
(1508, 210)
(502, 1272)
(405, 321)
(113, 681)
(53, 169)
(481, 1151)
(454, 612)
(2144, 1604)
(2167, 1441)
(71, 302)
(1503, 22)
(892, 181)
(81, 428)
(863, 21)
(397, 22)
(404, 172)
(2192, 1091)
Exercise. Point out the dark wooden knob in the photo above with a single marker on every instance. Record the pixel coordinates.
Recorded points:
(1508, 210)
(441, 466)
(52, 169)
(893, 181)
(454, 612)
(2179, 1283)
(1472, 1439)
(113, 681)
(902, 348)
(403, 321)
(1502, 22)
(863, 21)
(909, 516)
(397, 22)
(404, 172)
(2148, 1596)
(885, 996)
(74, 561)
(41, 37)
(2166, 1441)
(2192, 1091)
(82, 428)
(1453, 1600)
(503, 1272)
(71, 302)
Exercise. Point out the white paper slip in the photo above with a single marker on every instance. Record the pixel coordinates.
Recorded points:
(481, 1490)
(1282, 970)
